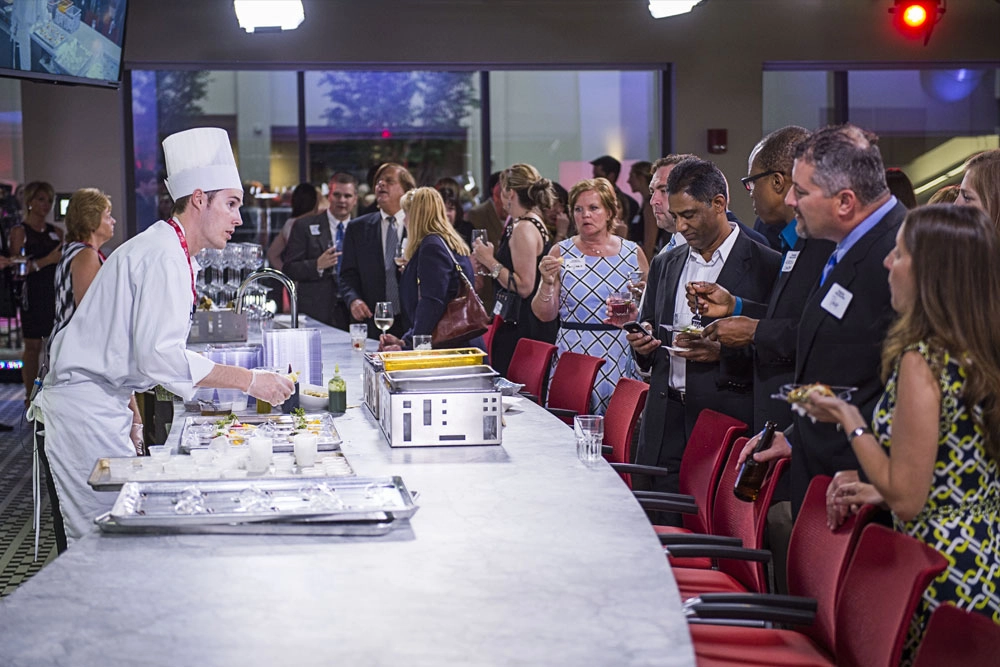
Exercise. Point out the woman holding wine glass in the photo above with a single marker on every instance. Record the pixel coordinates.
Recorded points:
(431, 279)
(583, 278)
(514, 268)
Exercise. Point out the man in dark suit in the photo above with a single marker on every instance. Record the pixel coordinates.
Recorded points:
(489, 215)
(372, 242)
(313, 251)
(610, 168)
(685, 381)
(839, 194)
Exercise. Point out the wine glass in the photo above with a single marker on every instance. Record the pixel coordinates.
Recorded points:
(383, 315)
(636, 284)
(480, 235)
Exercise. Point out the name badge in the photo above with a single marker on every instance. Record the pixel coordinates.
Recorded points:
(790, 261)
(314, 230)
(574, 264)
(53, 236)
(836, 301)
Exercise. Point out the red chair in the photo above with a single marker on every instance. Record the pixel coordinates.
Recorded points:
(704, 457)
(734, 518)
(572, 385)
(624, 409)
(529, 365)
(883, 585)
(488, 336)
(958, 637)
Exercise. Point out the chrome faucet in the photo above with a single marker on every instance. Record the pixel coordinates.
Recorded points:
(281, 278)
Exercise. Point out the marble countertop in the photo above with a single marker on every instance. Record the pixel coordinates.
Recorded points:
(518, 555)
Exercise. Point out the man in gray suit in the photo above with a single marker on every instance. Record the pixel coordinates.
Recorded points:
(312, 256)
(696, 374)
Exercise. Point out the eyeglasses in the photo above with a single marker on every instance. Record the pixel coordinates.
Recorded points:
(747, 181)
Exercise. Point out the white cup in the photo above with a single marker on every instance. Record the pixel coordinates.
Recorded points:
(422, 342)
(304, 445)
(359, 333)
(261, 450)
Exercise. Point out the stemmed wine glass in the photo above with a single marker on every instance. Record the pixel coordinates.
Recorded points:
(383, 315)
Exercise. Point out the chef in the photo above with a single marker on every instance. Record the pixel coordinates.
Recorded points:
(130, 330)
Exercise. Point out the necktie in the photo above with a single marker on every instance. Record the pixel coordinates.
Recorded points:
(339, 242)
(830, 263)
(391, 283)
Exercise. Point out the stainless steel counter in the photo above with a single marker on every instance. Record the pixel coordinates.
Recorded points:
(519, 554)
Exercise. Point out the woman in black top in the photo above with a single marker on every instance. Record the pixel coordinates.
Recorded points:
(514, 268)
(42, 246)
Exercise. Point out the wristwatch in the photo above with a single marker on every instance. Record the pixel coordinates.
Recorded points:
(861, 430)
(495, 271)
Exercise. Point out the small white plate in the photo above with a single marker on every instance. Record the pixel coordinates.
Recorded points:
(510, 402)
(671, 348)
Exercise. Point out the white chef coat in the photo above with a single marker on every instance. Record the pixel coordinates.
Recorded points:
(128, 334)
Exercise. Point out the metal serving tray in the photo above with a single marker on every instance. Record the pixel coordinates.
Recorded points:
(172, 504)
(329, 438)
(101, 478)
(462, 378)
(343, 528)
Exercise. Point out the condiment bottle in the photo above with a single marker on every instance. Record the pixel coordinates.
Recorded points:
(752, 472)
(337, 390)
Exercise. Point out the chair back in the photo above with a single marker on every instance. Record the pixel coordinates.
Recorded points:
(488, 336)
(705, 455)
(883, 585)
(958, 637)
(529, 365)
(733, 517)
(818, 558)
(624, 409)
(573, 383)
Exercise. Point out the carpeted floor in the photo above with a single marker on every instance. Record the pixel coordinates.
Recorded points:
(17, 539)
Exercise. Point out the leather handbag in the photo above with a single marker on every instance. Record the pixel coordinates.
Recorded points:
(464, 317)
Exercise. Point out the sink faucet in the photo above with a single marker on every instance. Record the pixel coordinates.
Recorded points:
(281, 278)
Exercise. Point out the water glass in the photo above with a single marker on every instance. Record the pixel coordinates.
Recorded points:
(589, 430)
(261, 450)
(422, 342)
(359, 333)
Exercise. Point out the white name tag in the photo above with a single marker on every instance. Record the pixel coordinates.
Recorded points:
(790, 261)
(836, 301)
(314, 230)
(53, 236)
(574, 264)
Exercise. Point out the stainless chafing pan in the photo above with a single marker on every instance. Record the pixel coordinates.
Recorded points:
(459, 378)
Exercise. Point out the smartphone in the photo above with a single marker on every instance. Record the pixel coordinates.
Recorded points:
(634, 327)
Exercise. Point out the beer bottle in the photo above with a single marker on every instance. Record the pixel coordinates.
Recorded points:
(752, 472)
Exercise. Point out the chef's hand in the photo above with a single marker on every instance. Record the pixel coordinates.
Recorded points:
(779, 449)
(360, 311)
(710, 299)
(270, 387)
(328, 259)
(136, 437)
(731, 331)
(389, 343)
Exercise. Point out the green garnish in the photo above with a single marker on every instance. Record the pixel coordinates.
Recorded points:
(299, 415)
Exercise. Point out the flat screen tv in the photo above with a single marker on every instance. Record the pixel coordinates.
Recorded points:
(63, 41)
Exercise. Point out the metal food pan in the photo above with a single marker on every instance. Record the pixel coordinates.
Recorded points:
(157, 504)
(338, 528)
(463, 378)
(285, 424)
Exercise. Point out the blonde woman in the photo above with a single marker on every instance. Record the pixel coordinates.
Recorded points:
(430, 279)
(514, 268)
(981, 184)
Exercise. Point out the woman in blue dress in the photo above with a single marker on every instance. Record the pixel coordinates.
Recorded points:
(579, 274)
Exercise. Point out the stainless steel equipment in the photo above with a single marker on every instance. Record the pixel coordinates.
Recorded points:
(439, 407)
(287, 282)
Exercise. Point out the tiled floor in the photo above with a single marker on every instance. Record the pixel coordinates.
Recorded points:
(17, 562)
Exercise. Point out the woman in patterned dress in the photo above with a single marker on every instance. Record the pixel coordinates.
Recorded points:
(933, 456)
(579, 274)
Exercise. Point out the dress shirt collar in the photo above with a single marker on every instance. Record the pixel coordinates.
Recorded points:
(334, 221)
(788, 235)
(721, 253)
(863, 228)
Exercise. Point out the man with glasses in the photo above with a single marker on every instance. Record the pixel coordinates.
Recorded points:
(372, 242)
(694, 375)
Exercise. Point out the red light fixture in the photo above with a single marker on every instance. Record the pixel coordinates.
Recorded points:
(916, 19)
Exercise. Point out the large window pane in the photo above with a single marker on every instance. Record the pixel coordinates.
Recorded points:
(11, 155)
(426, 121)
(559, 121)
(258, 109)
(797, 98)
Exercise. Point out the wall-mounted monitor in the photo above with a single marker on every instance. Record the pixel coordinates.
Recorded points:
(63, 41)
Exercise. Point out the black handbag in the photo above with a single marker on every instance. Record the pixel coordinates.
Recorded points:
(507, 302)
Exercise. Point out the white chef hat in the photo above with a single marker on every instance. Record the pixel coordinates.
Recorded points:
(201, 158)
